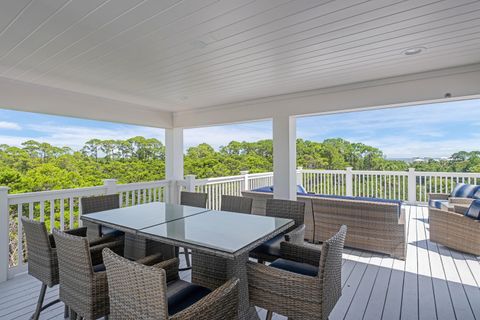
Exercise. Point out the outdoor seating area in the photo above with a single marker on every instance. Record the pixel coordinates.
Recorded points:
(239, 160)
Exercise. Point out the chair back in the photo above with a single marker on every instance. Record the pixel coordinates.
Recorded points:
(330, 270)
(75, 269)
(136, 291)
(193, 199)
(236, 204)
(287, 209)
(100, 203)
(41, 252)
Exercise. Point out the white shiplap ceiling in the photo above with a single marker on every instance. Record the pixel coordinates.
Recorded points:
(185, 54)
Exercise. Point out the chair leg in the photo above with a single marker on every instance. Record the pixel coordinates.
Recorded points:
(66, 312)
(36, 315)
(187, 257)
(269, 315)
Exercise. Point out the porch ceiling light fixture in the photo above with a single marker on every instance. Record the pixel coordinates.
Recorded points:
(413, 51)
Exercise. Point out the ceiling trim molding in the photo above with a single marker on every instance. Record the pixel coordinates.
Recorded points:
(461, 82)
(23, 96)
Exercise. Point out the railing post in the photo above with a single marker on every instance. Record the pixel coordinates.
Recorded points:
(190, 181)
(4, 234)
(110, 186)
(244, 185)
(349, 182)
(412, 186)
(300, 176)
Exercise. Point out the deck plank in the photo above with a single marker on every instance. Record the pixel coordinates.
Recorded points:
(444, 283)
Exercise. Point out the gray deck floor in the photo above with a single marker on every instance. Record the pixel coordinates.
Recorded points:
(433, 283)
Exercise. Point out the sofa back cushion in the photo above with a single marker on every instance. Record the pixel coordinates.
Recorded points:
(474, 210)
(463, 190)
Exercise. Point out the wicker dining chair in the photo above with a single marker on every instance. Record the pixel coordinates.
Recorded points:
(83, 281)
(192, 199)
(96, 204)
(42, 256)
(236, 204)
(270, 250)
(304, 284)
(156, 292)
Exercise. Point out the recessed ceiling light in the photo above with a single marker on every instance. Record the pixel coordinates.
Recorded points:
(413, 51)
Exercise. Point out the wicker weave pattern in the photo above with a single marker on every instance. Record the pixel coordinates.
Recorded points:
(140, 292)
(193, 199)
(236, 204)
(286, 209)
(455, 230)
(96, 204)
(301, 253)
(373, 226)
(297, 296)
(83, 290)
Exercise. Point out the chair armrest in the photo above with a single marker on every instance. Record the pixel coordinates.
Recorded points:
(171, 268)
(460, 209)
(438, 196)
(96, 251)
(222, 301)
(461, 201)
(303, 253)
(105, 239)
(79, 232)
(151, 259)
(296, 235)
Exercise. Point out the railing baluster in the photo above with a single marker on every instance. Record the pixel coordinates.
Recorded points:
(71, 215)
(30, 210)
(62, 214)
(42, 211)
(20, 234)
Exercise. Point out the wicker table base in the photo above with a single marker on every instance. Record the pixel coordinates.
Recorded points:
(137, 247)
(212, 271)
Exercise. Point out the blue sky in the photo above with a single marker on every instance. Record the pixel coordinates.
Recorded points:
(434, 130)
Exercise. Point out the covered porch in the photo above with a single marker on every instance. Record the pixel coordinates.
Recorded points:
(434, 282)
(190, 64)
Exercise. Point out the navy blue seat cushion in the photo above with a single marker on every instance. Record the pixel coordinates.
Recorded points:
(476, 195)
(271, 247)
(463, 190)
(296, 267)
(436, 203)
(99, 268)
(474, 210)
(182, 294)
(300, 189)
(106, 231)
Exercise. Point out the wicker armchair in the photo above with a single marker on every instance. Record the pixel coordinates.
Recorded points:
(236, 204)
(42, 256)
(270, 250)
(156, 292)
(454, 230)
(83, 284)
(304, 284)
(193, 199)
(96, 204)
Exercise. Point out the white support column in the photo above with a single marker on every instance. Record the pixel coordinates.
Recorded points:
(110, 186)
(412, 186)
(173, 161)
(349, 182)
(244, 184)
(284, 157)
(190, 182)
(4, 234)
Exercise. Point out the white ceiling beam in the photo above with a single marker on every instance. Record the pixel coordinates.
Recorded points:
(391, 92)
(22, 96)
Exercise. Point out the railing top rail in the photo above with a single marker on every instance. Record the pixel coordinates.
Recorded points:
(54, 194)
(322, 171)
(142, 185)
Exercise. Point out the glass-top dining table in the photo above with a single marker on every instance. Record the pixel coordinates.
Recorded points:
(220, 241)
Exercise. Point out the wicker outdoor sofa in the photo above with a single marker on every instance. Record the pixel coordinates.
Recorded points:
(376, 225)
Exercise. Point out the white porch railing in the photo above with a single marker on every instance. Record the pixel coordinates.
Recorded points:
(62, 208)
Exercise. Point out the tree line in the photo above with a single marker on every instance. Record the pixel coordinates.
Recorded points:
(37, 166)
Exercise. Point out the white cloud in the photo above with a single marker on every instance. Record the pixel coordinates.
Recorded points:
(221, 135)
(76, 136)
(10, 125)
